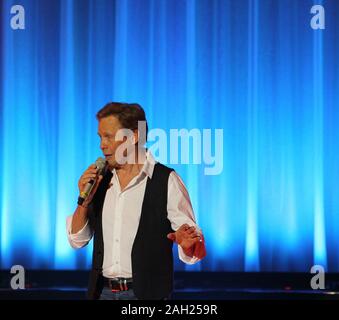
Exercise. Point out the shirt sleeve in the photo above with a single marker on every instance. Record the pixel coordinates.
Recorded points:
(180, 211)
(79, 239)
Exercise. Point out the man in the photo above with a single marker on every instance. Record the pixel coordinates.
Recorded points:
(134, 212)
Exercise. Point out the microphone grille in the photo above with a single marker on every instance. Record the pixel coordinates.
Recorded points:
(100, 163)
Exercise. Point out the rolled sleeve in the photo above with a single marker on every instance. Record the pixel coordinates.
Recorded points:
(79, 239)
(180, 211)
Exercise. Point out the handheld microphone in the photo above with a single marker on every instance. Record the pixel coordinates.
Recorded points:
(100, 164)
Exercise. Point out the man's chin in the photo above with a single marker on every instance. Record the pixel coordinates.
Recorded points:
(113, 164)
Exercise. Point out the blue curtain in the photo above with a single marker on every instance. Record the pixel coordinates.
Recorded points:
(254, 68)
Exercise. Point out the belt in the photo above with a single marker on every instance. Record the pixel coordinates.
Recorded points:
(119, 284)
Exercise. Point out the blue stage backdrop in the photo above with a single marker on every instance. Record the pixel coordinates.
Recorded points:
(254, 68)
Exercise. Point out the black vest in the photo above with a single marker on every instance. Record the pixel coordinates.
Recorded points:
(152, 258)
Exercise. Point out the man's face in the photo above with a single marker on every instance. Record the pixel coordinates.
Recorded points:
(107, 129)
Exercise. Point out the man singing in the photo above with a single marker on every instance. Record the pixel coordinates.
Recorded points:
(135, 210)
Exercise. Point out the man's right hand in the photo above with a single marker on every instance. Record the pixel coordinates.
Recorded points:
(89, 174)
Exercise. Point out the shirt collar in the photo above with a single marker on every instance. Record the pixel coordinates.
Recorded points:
(148, 166)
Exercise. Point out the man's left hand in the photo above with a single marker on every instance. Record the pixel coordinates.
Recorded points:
(190, 240)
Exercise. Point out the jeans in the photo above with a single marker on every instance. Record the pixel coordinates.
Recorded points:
(107, 294)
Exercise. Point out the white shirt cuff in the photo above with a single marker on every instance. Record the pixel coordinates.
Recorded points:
(185, 258)
(79, 239)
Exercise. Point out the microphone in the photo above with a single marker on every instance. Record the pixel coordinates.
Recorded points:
(100, 164)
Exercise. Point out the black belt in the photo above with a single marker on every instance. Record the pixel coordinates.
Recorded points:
(119, 284)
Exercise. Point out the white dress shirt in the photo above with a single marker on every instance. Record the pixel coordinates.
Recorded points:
(121, 215)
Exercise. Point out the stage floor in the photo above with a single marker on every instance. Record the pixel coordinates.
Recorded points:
(71, 285)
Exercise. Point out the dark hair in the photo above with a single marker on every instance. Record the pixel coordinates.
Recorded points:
(128, 114)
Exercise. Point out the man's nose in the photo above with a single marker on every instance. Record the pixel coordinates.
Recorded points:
(103, 145)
